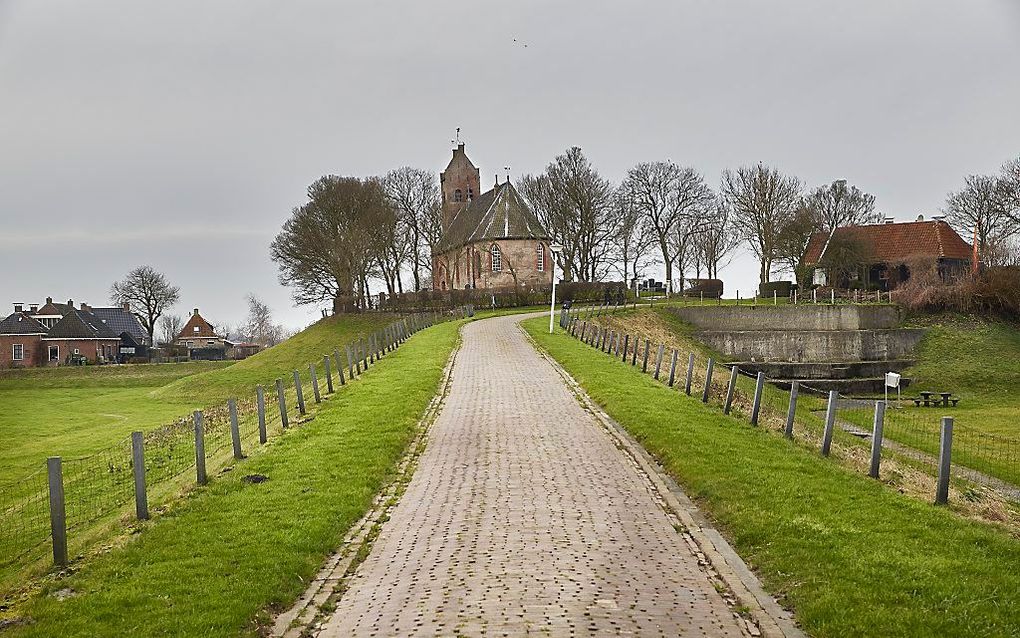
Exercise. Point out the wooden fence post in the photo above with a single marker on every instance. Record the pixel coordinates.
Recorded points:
(260, 404)
(339, 367)
(672, 368)
(300, 394)
(830, 422)
(734, 372)
(945, 461)
(626, 346)
(58, 514)
(200, 475)
(350, 361)
(791, 412)
(690, 374)
(708, 380)
(658, 360)
(138, 465)
(644, 359)
(235, 430)
(315, 384)
(877, 427)
(756, 406)
(329, 373)
(637, 346)
(281, 400)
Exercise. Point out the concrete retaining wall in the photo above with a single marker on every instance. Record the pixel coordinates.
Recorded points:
(817, 370)
(822, 346)
(801, 317)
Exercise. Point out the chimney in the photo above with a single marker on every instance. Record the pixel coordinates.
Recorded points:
(70, 304)
(126, 306)
(33, 307)
(196, 312)
(85, 307)
(920, 218)
(49, 299)
(19, 307)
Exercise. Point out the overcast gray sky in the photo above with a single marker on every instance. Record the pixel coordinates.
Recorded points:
(180, 134)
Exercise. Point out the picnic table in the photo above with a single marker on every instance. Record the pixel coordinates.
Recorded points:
(927, 398)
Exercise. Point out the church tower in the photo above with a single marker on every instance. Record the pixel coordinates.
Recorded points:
(460, 184)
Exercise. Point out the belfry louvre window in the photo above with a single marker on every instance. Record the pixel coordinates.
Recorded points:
(458, 196)
(540, 258)
(497, 258)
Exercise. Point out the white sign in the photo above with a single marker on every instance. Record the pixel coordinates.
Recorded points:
(892, 380)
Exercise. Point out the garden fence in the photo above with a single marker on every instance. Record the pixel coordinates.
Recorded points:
(68, 496)
(921, 436)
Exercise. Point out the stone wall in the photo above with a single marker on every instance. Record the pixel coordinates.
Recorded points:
(800, 317)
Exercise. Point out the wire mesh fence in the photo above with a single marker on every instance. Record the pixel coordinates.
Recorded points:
(909, 431)
(99, 484)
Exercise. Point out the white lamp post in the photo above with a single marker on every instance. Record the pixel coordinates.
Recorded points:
(555, 249)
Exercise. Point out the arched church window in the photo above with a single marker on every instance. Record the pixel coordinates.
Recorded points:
(497, 258)
(540, 258)
(458, 196)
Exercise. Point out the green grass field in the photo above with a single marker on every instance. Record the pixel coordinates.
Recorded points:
(850, 556)
(229, 553)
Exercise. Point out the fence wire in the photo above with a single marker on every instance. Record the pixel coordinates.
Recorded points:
(99, 484)
(910, 430)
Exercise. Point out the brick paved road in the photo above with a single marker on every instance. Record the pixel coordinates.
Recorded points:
(524, 518)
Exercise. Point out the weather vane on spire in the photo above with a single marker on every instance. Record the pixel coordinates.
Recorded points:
(458, 135)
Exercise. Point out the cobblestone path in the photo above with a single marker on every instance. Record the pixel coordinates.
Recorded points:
(524, 518)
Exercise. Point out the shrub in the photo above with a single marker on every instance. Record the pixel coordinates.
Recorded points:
(780, 288)
(711, 288)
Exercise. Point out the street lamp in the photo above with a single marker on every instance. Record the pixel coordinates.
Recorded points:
(555, 249)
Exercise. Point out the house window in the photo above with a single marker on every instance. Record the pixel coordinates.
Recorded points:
(196, 328)
(210, 342)
(497, 258)
(458, 196)
(19, 352)
(54, 354)
(540, 251)
(76, 351)
(189, 344)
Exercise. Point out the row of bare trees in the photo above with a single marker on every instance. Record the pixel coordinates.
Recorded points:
(987, 209)
(352, 230)
(667, 214)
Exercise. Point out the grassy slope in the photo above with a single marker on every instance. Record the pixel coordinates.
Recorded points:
(978, 360)
(72, 412)
(295, 353)
(851, 557)
(231, 550)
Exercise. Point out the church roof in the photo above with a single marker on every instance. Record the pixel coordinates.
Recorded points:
(500, 213)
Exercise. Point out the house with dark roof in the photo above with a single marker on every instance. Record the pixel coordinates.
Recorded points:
(80, 337)
(21, 340)
(881, 255)
(490, 240)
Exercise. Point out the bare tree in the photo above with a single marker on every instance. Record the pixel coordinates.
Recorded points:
(634, 238)
(259, 326)
(978, 210)
(1009, 189)
(416, 197)
(148, 293)
(714, 245)
(672, 198)
(839, 204)
(169, 327)
(328, 248)
(762, 200)
(575, 205)
(794, 240)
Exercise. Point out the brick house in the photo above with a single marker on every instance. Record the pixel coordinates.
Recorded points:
(199, 337)
(21, 341)
(888, 250)
(80, 336)
(490, 240)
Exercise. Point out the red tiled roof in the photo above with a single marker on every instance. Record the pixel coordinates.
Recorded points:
(892, 243)
(205, 329)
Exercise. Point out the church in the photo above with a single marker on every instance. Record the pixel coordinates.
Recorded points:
(490, 240)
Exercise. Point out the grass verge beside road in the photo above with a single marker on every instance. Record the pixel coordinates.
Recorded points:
(849, 556)
(219, 560)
